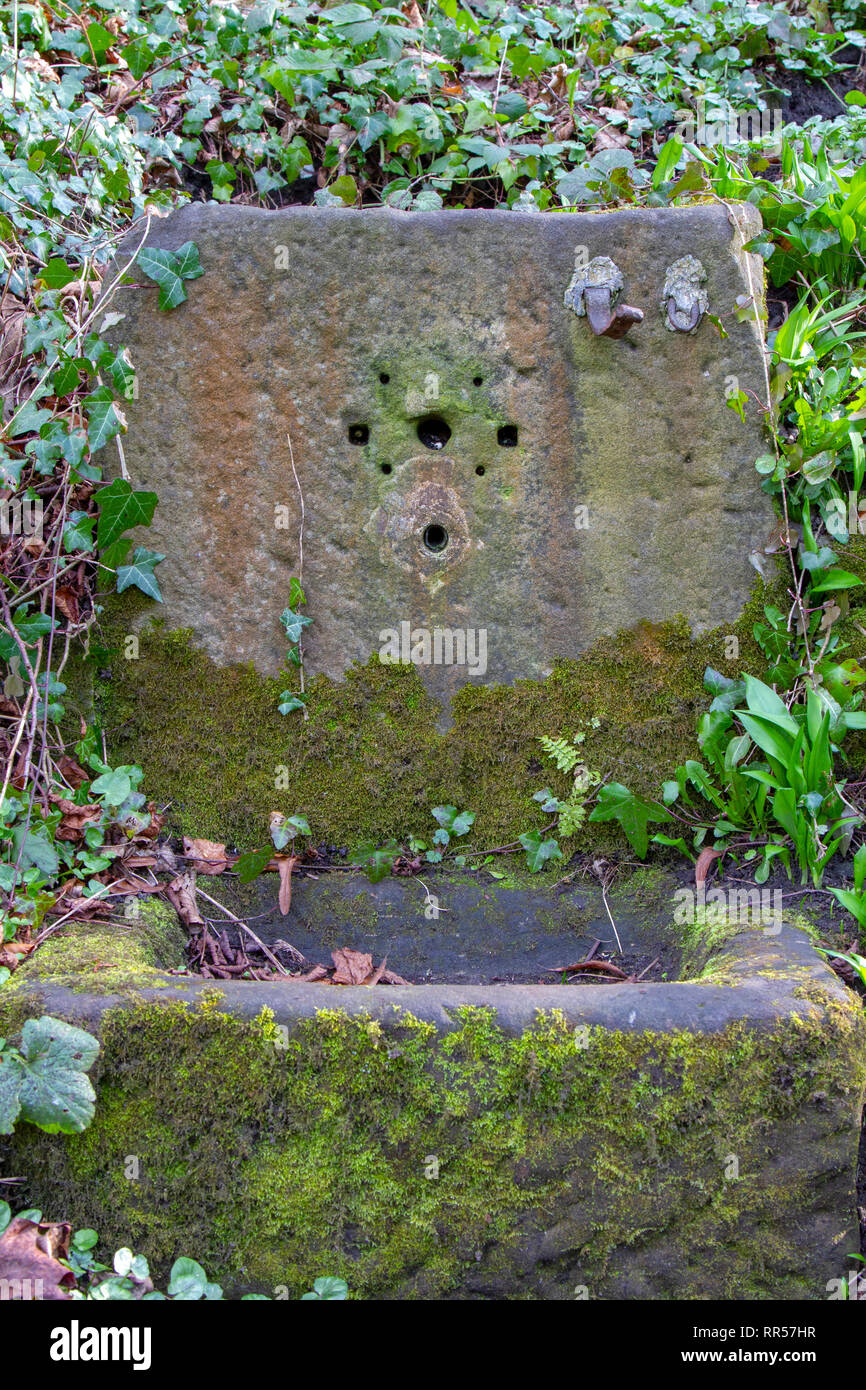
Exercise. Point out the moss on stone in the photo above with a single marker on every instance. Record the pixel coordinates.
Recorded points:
(99, 957)
(371, 759)
(419, 1165)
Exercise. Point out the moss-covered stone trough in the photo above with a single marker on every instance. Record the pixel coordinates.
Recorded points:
(691, 1139)
(596, 505)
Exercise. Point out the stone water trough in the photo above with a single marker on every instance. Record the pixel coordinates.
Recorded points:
(497, 449)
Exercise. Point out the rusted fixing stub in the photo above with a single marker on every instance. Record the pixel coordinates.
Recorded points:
(684, 301)
(592, 293)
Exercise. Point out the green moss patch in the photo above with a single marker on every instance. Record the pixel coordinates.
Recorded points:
(415, 1164)
(372, 758)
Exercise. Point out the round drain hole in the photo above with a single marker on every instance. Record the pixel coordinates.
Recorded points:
(384, 378)
(507, 436)
(359, 434)
(481, 470)
(386, 467)
(478, 381)
(435, 536)
(433, 432)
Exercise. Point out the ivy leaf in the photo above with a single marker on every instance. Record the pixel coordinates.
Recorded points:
(138, 57)
(511, 105)
(538, 851)
(114, 786)
(32, 626)
(104, 418)
(188, 1280)
(328, 1288)
(139, 572)
(834, 579)
(99, 38)
(56, 274)
(28, 419)
(55, 1092)
(616, 802)
(11, 1073)
(36, 851)
(372, 128)
(289, 702)
(169, 269)
(344, 188)
(78, 532)
(376, 862)
(294, 624)
(250, 865)
(120, 509)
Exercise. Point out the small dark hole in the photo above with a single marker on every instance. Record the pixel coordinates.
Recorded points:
(384, 378)
(478, 381)
(435, 536)
(481, 470)
(507, 436)
(386, 467)
(433, 432)
(359, 434)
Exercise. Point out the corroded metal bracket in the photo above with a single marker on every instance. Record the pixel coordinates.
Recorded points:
(684, 302)
(593, 292)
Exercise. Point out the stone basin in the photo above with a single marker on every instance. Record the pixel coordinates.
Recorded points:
(687, 1139)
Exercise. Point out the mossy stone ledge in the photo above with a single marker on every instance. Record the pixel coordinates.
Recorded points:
(687, 1140)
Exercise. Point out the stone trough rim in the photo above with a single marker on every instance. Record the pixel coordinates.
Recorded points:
(753, 979)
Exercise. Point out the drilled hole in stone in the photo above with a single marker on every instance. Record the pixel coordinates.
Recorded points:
(507, 436)
(435, 536)
(359, 434)
(433, 432)
(384, 378)
(481, 470)
(386, 467)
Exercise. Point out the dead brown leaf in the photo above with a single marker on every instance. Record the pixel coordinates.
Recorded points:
(75, 819)
(390, 977)
(205, 856)
(831, 612)
(66, 601)
(181, 895)
(318, 972)
(122, 89)
(154, 825)
(558, 83)
(13, 952)
(36, 63)
(352, 967)
(596, 967)
(703, 863)
(610, 139)
(72, 771)
(285, 864)
(375, 977)
(413, 15)
(30, 1255)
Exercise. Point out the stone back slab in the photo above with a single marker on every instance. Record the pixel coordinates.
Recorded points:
(587, 483)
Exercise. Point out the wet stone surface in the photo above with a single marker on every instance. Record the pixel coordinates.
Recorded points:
(465, 930)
